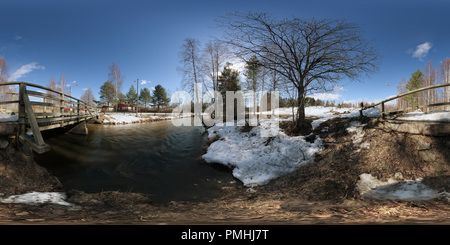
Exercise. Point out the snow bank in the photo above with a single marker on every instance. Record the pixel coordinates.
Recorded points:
(125, 118)
(256, 159)
(4, 117)
(437, 116)
(35, 198)
(326, 113)
(409, 190)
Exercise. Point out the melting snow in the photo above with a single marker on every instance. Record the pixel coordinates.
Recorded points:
(36, 198)
(257, 159)
(409, 190)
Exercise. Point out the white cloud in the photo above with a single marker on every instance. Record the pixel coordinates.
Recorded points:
(422, 50)
(143, 82)
(326, 96)
(25, 69)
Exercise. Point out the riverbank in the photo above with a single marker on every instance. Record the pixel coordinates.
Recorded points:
(113, 118)
(325, 191)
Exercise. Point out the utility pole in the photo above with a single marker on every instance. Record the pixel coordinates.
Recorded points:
(137, 99)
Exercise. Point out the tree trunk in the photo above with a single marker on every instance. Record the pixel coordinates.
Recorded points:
(302, 126)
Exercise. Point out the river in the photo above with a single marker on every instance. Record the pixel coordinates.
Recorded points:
(157, 158)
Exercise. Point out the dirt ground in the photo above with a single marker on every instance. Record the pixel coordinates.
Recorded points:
(321, 193)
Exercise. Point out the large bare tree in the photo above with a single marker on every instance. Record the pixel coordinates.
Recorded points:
(88, 96)
(215, 56)
(116, 77)
(313, 54)
(190, 61)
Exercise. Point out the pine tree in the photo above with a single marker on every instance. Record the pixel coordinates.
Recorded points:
(159, 97)
(228, 80)
(145, 96)
(131, 96)
(107, 92)
(415, 82)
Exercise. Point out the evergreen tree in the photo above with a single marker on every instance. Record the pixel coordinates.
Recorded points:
(131, 96)
(252, 69)
(145, 96)
(415, 82)
(228, 80)
(159, 97)
(107, 92)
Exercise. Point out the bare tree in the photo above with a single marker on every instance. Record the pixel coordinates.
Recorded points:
(430, 79)
(445, 76)
(189, 58)
(4, 76)
(88, 96)
(313, 54)
(62, 85)
(215, 56)
(401, 88)
(116, 78)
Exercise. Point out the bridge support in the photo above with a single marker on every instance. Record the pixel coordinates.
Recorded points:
(36, 142)
(80, 128)
(417, 127)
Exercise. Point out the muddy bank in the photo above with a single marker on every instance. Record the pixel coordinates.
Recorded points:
(19, 173)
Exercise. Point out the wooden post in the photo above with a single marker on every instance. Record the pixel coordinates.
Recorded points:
(32, 119)
(78, 110)
(62, 108)
(382, 110)
(23, 128)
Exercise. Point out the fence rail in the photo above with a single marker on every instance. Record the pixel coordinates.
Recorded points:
(51, 109)
(382, 103)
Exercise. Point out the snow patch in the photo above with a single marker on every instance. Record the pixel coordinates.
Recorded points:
(35, 198)
(256, 159)
(356, 127)
(436, 116)
(409, 190)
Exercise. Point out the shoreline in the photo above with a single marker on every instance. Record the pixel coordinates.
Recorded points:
(121, 118)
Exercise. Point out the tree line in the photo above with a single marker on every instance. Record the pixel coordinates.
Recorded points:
(111, 92)
(292, 55)
(430, 76)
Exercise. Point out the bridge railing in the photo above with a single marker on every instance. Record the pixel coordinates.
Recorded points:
(382, 104)
(47, 108)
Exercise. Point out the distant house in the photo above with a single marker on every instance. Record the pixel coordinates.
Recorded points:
(107, 108)
(124, 107)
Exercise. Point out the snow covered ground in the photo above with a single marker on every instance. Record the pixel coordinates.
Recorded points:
(125, 118)
(257, 159)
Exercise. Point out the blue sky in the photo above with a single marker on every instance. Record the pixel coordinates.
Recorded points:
(79, 39)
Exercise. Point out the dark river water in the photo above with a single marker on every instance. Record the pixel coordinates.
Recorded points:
(154, 158)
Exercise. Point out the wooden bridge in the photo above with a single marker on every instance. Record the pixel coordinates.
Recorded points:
(390, 118)
(46, 109)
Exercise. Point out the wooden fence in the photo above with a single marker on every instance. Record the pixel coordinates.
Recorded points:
(383, 107)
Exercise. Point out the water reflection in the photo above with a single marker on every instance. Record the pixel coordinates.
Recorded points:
(154, 158)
